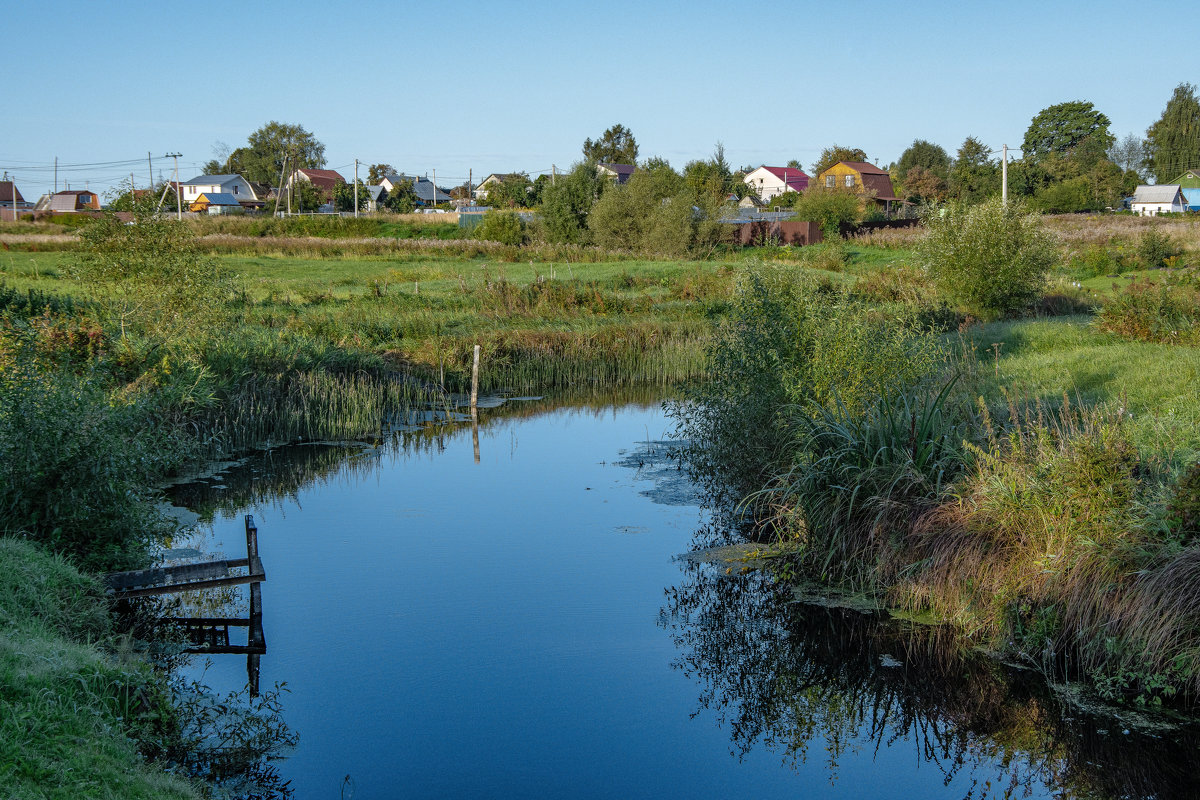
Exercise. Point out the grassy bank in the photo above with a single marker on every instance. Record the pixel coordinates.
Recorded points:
(1031, 481)
(72, 713)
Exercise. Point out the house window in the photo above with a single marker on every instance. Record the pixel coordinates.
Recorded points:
(235, 188)
(849, 181)
(830, 181)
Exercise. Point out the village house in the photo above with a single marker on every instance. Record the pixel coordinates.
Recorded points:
(376, 197)
(1189, 184)
(234, 185)
(216, 203)
(426, 193)
(617, 172)
(862, 178)
(480, 192)
(69, 201)
(323, 179)
(770, 182)
(1163, 198)
(11, 201)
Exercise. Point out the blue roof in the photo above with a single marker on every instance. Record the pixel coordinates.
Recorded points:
(220, 199)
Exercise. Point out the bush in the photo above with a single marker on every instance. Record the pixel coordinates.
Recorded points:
(990, 258)
(1167, 312)
(74, 467)
(505, 227)
(1154, 247)
(829, 208)
(792, 345)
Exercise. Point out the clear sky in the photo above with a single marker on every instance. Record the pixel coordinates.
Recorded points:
(499, 87)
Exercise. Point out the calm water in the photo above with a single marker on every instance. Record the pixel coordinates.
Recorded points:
(522, 627)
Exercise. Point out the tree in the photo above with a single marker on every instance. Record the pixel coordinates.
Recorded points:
(1060, 128)
(567, 202)
(975, 174)
(1173, 142)
(792, 163)
(510, 191)
(921, 184)
(615, 146)
(834, 154)
(377, 172)
(1129, 153)
(343, 196)
(261, 160)
(305, 196)
(402, 198)
(931, 157)
(149, 278)
(625, 215)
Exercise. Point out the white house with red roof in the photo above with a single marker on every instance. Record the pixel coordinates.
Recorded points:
(770, 182)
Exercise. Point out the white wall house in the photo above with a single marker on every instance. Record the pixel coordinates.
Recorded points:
(770, 182)
(235, 185)
(1160, 199)
(480, 192)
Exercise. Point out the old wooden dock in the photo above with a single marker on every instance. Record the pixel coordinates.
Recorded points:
(207, 634)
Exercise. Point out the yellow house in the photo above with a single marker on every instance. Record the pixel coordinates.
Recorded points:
(861, 177)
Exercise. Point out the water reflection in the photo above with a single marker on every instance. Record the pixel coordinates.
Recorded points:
(809, 682)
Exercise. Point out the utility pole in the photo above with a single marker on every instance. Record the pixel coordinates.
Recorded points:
(356, 188)
(56, 174)
(279, 190)
(178, 191)
(470, 186)
(150, 161)
(553, 174)
(131, 195)
(435, 188)
(1004, 178)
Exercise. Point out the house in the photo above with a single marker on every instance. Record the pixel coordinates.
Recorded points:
(861, 177)
(480, 192)
(618, 172)
(235, 185)
(323, 179)
(11, 201)
(216, 203)
(770, 182)
(376, 197)
(69, 201)
(1161, 198)
(427, 194)
(1189, 183)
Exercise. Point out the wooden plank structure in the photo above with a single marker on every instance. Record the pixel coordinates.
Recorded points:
(207, 634)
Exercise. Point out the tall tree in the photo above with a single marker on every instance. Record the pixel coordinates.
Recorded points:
(615, 146)
(567, 202)
(1060, 128)
(377, 172)
(834, 154)
(262, 159)
(932, 157)
(1173, 143)
(975, 174)
(1129, 153)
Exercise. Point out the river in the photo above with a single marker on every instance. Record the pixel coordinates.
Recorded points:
(521, 624)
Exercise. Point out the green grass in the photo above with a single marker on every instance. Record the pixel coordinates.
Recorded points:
(65, 704)
(1048, 359)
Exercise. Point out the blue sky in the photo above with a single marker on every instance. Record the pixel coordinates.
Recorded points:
(498, 87)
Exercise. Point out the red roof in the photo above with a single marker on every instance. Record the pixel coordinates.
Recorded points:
(323, 179)
(795, 179)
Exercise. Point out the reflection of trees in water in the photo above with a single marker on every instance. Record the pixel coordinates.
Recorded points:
(276, 476)
(789, 676)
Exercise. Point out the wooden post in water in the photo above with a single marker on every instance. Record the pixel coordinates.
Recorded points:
(475, 380)
(475, 402)
(255, 633)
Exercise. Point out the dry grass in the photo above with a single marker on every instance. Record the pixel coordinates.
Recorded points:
(890, 238)
(1077, 232)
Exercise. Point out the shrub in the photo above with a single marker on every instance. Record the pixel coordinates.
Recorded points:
(829, 208)
(505, 227)
(990, 258)
(1154, 247)
(791, 345)
(1167, 312)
